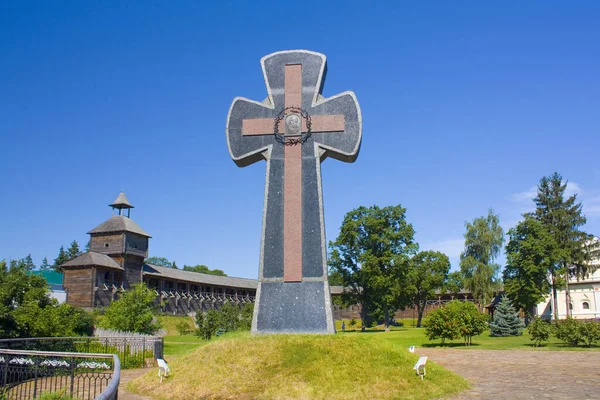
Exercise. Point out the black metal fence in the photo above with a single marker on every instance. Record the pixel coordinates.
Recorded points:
(133, 352)
(30, 374)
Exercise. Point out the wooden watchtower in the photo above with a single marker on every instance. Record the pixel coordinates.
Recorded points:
(118, 247)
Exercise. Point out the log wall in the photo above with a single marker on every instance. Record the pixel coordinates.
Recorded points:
(107, 243)
(136, 244)
(79, 285)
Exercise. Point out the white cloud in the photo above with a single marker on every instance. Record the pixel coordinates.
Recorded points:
(527, 195)
(591, 204)
(591, 207)
(452, 247)
(573, 188)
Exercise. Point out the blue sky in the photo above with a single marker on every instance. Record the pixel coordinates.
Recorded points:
(466, 105)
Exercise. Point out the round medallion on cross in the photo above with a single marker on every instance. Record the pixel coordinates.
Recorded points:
(293, 125)
(294, 132)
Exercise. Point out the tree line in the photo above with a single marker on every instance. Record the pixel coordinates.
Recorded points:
(63, 256)
(201, 268)
(74, 251)
(377, 260)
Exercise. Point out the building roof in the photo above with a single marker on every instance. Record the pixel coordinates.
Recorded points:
(119, 223)
(93, 258)
(197, 277)
(52, 277)
(121, 202)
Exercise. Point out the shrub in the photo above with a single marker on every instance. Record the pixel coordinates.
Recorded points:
(471, 321)
(567, 331)
(589, 332)
(55, 396)
(229, 317)
(506, 321)
(246, 318)
(134, 312)
(457, 319)
(540, 331)
(442, 324)
(183, 328)
(207, 324)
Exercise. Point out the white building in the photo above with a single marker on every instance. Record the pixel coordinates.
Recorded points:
(585, 299)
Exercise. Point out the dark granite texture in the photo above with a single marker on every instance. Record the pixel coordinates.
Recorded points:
(296, 307)
(273, 240)
(291, 306)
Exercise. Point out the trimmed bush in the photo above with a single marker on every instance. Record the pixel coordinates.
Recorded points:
(589, 332)
(540, 331)
(457, 319)
(567, 331)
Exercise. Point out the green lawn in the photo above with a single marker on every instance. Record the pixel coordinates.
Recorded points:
(406, 337)
(176, 345)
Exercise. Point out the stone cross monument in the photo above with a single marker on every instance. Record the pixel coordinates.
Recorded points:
(294, 129)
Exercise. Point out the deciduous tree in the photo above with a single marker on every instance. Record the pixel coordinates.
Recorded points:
(160, 261)
(454, 282)
(133, 312)
(372, 255)
(483, 241)
(428, 272)
(531, 255)
(26, 309)
(203, 269)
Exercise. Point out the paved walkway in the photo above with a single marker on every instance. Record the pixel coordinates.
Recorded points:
(128, 375)
(518, 374)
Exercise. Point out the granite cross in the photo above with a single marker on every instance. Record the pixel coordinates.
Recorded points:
(294, 129)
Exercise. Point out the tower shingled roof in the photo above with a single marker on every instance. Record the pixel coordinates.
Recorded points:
(121, 202)
(93, 258)
(119, 223)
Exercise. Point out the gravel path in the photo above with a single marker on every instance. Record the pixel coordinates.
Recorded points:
(517, 374)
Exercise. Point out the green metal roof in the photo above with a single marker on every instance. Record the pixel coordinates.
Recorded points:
(52, 277)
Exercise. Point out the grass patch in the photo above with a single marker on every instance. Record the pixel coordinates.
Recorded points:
(183, 339)
(416, 337)
(169, 323)
(347, 366)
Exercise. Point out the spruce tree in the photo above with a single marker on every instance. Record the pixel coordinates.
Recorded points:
(506, 321)
(73, 251)
(28, 263)
(563, 218)
(44, 266)
(62, 258)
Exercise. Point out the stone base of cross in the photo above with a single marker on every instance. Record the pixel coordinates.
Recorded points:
(294, 129)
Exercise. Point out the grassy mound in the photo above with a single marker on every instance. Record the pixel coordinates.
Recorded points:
(299, 367)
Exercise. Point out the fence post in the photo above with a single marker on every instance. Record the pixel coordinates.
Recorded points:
(5, 374)
(72, 375)
(125, 348)
(143, 352)
(36, 361)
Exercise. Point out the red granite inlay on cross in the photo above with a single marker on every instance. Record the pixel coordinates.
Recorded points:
(292, 185)
(292, 178)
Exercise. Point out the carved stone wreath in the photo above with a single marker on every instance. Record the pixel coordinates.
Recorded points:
(292, 118)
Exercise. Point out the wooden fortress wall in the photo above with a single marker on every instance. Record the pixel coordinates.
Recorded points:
(79, 285)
